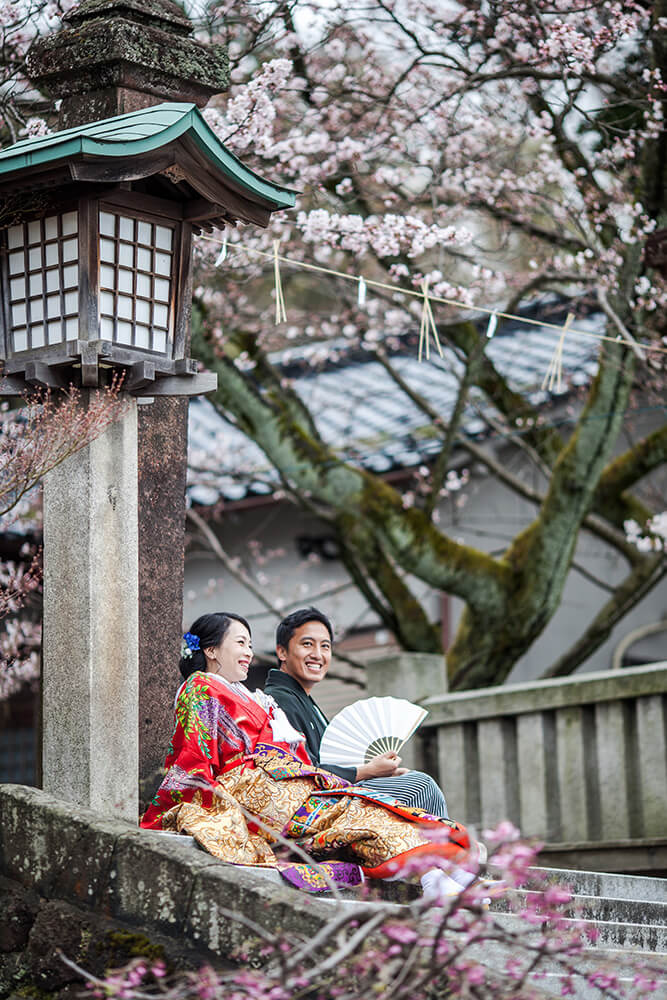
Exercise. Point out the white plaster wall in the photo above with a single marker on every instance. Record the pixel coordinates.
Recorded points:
(286, 578)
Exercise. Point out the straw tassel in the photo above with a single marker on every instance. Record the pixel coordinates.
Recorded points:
(428, 326)
(281, 314)
(554, 373)
(222, 256)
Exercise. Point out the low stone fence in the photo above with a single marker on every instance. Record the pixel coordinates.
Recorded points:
(103, 891)
(579, 763)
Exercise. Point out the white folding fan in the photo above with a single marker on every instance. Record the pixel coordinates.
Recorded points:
(368, 728)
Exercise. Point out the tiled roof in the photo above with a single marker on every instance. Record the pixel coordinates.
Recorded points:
(137, 132)
(362, 413)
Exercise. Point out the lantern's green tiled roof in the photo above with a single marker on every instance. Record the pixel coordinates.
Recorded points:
(138, 132)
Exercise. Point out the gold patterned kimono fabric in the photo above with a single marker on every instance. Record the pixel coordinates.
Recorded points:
(321, 822)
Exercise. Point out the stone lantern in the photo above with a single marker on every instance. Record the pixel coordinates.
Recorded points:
(96, 222)
(96, 259)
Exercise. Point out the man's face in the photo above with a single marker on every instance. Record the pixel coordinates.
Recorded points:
(308, 654)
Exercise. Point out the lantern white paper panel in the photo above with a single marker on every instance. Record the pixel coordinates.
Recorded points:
(44, 281)
(136, 273)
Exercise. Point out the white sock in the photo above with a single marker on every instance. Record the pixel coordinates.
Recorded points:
(438, 885)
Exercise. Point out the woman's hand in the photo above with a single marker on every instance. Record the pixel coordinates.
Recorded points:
(383, 766)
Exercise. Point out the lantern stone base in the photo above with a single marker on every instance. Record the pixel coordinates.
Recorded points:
(91, 624)
(90, 364)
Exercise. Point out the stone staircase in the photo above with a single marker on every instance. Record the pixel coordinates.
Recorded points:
(628, 912)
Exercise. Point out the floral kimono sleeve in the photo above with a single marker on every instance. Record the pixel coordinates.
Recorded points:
(206, 736)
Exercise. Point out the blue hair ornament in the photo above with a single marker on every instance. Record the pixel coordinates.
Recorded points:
(189, 645)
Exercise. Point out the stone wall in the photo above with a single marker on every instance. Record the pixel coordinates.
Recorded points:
(102, 891)
(578, 762)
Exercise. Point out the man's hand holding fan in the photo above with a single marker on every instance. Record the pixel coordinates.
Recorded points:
(370, 729)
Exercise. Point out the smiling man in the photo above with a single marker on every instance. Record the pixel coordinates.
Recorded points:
(304, 641)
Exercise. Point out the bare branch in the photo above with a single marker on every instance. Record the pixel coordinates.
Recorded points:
(233, 567)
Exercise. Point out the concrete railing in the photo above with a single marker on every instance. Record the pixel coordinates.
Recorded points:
(570, 761)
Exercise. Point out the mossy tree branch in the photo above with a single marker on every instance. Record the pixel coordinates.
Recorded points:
(353, 564)
(541, 555)
(408, 536)
(508, 600)
(611, 497)
(408, 620)
(516, 409)
(595, 524)
(625, 597)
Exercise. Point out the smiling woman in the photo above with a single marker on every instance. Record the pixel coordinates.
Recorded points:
(238, 776)
(232, 656)
(217, 644)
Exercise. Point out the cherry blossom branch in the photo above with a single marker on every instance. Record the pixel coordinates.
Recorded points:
(553, 237)
(48, 432)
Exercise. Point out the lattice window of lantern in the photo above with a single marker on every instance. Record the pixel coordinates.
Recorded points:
(136, 267)
(44, 281)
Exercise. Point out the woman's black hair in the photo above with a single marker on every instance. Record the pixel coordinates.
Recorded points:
(210, 630)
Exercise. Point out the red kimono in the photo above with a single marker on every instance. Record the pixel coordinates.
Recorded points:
(235, 784)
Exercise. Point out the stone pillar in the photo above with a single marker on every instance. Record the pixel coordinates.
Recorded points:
(415, 676)
(91, 624)
(108, 59)
(162, 471)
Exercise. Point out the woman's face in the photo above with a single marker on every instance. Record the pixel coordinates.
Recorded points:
(232, 658)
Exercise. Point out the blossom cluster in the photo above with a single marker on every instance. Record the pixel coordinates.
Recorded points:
(20, 644)
(451, 160)
(386, 236)
(653, 537)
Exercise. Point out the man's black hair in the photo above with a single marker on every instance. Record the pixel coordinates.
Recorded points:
(295, 620)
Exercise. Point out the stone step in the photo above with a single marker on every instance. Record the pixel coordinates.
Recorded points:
(632, 923)
(629, 912)
(611, 934)
(610, 886)
(593, 908)
(549, 979)
(615, 934)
